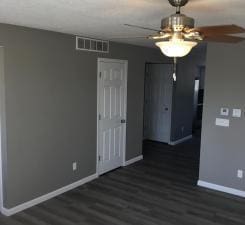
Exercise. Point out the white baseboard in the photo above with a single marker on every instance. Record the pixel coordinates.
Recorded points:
(221, 188)
(180, 140)
(133, 160)
(21, 207)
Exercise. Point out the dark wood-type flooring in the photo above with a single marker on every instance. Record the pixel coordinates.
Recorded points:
(161, 189)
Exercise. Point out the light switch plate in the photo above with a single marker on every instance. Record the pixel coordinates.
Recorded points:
(222, 122)
(240, 174)
(224, 112)
(237, 113)
(74, 166)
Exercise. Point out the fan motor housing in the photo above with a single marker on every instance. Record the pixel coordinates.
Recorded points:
(177, 22)
(178, 3)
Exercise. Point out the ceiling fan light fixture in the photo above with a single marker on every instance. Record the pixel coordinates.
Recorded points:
(176, 48)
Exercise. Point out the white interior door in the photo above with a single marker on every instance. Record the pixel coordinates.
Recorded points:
(158, 102)
(112, 90)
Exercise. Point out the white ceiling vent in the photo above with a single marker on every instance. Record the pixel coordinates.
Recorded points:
(92, 45)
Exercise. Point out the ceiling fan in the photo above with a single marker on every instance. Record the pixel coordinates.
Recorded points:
(178, 35)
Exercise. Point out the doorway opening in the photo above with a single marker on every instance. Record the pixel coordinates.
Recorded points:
(198, 100)
(177, 135)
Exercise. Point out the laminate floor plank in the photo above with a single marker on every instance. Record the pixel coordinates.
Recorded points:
(159, 190)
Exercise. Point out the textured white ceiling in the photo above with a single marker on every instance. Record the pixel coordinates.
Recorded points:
(105, 18)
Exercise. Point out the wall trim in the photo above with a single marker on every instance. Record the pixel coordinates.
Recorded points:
(2, 123)
(180, 140)
(21, 207)
(133, 160)
(221, 188)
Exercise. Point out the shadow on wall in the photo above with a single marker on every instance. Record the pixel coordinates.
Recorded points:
(183, 94)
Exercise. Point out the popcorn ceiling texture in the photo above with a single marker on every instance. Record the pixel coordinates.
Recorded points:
(105, 19)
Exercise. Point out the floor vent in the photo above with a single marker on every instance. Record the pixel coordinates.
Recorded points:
(92, 45)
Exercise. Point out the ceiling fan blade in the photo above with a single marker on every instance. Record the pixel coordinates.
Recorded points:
(224, 39)
(216, 30)
(141, 27)
(159, 36)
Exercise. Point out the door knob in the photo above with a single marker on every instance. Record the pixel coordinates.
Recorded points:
(166, 109)
(123, 121)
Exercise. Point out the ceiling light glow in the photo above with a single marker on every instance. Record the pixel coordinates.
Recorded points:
(176, 47)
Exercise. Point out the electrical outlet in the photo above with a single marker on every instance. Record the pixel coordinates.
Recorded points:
(182, 129)
(74, 166)
(240, 174)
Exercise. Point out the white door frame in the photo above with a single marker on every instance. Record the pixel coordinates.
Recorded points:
(125, 62)
(2, 123)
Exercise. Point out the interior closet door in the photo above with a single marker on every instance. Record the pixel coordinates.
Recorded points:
(112, 114)
(158, 102)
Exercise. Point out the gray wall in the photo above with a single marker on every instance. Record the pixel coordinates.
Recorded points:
(51, 109)
(222, 149)
(183, 96)
(201, 77)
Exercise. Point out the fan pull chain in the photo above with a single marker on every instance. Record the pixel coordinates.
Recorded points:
(177, 9)
(175, 69)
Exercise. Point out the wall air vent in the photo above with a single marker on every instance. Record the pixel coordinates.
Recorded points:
(92, 45)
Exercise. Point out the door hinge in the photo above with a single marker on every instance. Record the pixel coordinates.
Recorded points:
(99, 158)
(100, 75)
(99, 117)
